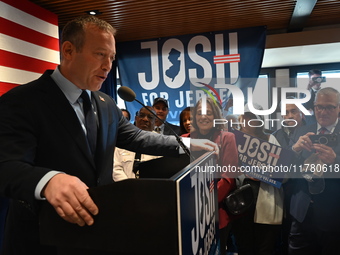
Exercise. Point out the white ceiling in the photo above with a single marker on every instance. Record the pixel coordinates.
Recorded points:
(317, 46)
(302, 55)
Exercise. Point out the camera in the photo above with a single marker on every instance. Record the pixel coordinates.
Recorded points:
(330, 140)
(319, 79)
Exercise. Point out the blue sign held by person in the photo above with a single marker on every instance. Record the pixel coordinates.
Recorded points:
(262, 160)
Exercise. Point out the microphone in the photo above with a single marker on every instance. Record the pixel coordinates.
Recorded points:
(129, 95)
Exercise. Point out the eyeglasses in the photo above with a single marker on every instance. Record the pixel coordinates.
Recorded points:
(328, 108)
(143, 115)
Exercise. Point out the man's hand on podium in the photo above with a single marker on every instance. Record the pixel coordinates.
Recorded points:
(203, 145)
(69, 197)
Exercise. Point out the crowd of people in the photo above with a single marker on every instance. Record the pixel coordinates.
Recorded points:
(297, 218)
(44, 159)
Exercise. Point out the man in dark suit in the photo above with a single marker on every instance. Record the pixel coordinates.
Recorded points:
(313, 86)
(3, 213)
(315, 203)
(50, 151)
(161, 107)
(294, 118)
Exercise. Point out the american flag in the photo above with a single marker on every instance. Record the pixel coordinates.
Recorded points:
(212, 186)
(29, 42)
(224, 59)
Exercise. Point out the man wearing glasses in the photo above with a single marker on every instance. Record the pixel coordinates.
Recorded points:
(315, 205)
(126, 162)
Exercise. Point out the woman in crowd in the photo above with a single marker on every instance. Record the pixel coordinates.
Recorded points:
(257, 231)
(185, 121)
(203, 123)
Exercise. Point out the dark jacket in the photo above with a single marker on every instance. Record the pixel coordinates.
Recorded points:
(40, 132)
(325, 206)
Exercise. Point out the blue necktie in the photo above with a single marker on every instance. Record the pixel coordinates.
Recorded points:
(90, 122)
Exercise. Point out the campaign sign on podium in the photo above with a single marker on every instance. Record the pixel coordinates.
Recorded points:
(171, 210)
(198, 210)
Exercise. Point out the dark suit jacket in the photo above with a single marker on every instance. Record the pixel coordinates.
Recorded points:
(40, 132)
(175, 128)
(325, 206)
(282, 138)
(310, 103)
(310, 119)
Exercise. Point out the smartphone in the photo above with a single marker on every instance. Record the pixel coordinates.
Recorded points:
(319, 79)
(330, 140)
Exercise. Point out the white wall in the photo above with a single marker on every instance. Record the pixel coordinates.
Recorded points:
(302, 48)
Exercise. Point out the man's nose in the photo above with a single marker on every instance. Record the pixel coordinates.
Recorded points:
(107, 64)
(289, 115)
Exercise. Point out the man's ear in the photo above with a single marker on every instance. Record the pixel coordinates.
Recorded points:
(67, 50)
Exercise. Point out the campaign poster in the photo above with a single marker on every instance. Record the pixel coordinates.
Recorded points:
(198, 209)
(181, 68)
(262, 160)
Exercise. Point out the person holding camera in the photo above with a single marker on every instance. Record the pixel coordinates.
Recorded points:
(315, 206)
(314, 85)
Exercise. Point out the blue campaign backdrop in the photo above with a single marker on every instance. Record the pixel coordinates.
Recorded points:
(109, 86)
(181, 68)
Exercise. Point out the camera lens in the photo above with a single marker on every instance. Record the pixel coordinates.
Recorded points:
(323, 140)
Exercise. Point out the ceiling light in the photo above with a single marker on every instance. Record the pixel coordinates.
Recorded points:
(93, 12)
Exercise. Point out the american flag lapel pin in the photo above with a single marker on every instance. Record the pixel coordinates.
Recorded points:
(102, 98)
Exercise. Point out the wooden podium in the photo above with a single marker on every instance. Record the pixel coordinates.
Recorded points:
(159, 215)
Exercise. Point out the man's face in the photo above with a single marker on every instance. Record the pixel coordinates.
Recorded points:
(145, 120)
(293, 112)
(326, 108)
(315, 86)
(89, 68)
(161, 110)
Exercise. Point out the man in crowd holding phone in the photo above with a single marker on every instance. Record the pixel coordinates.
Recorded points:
(315, 203)
(314, 85)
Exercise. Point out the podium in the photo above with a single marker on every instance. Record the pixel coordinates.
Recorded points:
(168, 211)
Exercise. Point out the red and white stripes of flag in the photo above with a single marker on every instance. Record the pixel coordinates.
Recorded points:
(224, 59)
